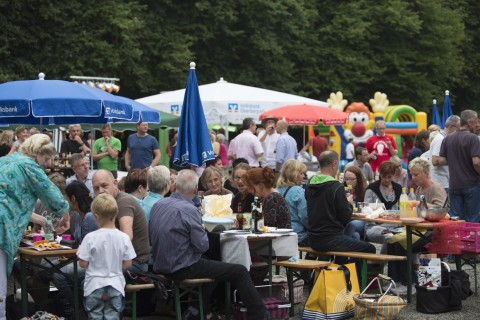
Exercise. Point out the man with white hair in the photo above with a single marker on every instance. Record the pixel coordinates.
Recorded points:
(158, 181)
(179, 241)
(440, 173)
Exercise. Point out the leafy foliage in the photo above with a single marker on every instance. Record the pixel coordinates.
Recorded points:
(410, 49)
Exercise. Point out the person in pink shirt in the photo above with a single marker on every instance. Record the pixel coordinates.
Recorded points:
(381, 146)
(223, 149)
(246, 144)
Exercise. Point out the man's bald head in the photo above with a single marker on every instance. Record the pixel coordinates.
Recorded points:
(104, 182)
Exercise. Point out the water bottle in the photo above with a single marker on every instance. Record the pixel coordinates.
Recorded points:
(48, 229)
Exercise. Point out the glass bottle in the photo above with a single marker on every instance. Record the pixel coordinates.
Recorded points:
(404, 204)
(48, 229)
(252, 220)
(239, 216)
(422, 207)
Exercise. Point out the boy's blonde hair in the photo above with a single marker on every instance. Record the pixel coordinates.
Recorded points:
(105, 206)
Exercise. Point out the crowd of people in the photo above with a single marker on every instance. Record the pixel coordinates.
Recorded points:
(151, 221)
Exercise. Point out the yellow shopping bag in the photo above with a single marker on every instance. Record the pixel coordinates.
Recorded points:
(333, 292)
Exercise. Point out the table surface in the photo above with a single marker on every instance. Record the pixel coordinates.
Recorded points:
(30, 252)
(420, 225)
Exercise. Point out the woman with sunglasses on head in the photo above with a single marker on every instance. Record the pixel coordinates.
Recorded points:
(289, 186)
(355, 184)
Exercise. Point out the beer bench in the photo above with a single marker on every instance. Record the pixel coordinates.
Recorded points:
(366, 259)
(193, 286)
(294, 268)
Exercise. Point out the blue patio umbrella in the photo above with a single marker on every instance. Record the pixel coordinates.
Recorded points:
(194, 146)
(435, 116)
(49, 102)
(447, 108)
(140, 111)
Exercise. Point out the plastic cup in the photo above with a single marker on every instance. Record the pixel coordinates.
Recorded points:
(66, 237)
(37, 237)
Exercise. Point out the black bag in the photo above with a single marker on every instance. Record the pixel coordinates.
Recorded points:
(448, 297)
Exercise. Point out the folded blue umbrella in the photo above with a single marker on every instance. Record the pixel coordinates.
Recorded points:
(194, 146)
(447, 108)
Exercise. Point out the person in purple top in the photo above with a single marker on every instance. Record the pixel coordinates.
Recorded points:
(179, 241)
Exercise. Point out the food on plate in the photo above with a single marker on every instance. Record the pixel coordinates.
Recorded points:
(45, 244)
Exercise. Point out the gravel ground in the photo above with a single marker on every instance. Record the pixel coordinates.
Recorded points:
(470, 309)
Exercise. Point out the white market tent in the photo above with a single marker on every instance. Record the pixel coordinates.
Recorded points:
(224, 102)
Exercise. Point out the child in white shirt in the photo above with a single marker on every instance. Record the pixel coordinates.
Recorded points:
(104, 253)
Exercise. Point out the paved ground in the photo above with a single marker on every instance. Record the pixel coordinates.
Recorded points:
(470, 309)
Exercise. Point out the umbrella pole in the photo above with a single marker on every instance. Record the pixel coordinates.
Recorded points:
(304, 142)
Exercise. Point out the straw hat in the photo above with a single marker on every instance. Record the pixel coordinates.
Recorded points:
(267, 119)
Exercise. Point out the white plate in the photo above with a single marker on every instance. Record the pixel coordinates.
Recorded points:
(236, 231)
(281, 231)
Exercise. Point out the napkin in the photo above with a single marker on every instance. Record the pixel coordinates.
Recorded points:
(217, 206)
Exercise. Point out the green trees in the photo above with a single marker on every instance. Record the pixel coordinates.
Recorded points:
(410, 49)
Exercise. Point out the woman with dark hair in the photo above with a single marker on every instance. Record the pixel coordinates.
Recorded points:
(80, 200)
(356, 184)
(136, 184)
(387, 192)
(261, 182)
(82, 223)
(243, 197)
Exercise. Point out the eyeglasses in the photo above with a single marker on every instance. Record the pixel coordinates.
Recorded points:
(349, 179)
(237, 179)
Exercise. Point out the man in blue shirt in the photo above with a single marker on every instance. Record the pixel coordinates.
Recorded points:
(286, 145)
(142, 149)
(179, 241)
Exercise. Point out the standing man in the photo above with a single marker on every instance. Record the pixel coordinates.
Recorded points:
(318, 144)
(130, 219)
(75, 143)
(361, 161)
(106, 149)
(329, 210)
(461, 152)
(269, 138)
(81, 171)
(179, 241)
(286, 146)
(439, 173)
(380, 146)
(246, 144)
(142, 149)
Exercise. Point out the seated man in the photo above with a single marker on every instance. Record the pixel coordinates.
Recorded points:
(179, 240)
(329, 210)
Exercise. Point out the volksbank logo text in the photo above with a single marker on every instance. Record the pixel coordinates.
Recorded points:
(114, 111)
(8, 109)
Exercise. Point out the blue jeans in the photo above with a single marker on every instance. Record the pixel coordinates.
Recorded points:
(104, 303)
(355, 229)
(465, 203)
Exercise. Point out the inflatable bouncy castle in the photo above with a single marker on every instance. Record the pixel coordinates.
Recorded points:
(402, 122)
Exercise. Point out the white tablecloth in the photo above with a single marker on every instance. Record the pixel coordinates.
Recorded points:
(235, 248)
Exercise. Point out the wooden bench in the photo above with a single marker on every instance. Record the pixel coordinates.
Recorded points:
(293, 267)
(133, 289)
(366, 258)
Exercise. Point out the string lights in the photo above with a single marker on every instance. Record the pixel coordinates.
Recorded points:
(105, 84)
